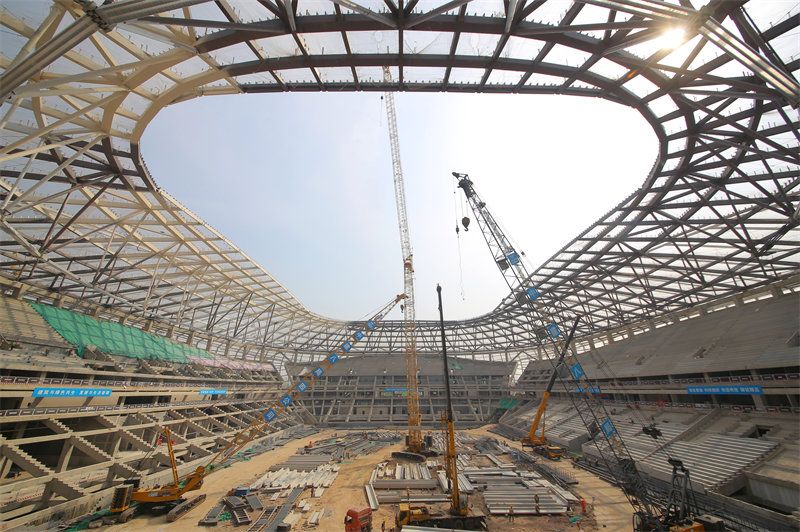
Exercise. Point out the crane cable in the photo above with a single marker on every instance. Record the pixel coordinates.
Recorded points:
(456, 204)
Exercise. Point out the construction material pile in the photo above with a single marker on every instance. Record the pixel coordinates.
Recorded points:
(353, 444)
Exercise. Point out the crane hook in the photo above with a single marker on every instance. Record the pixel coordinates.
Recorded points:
(465, 222)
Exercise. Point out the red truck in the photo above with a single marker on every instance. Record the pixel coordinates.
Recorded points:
(358, 519)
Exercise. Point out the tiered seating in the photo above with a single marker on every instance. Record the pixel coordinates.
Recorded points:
(713, 460)
(20, 323)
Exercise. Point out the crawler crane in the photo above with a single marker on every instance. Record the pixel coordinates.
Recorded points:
(540, 443)
(648, 513)
(460, 515)
(417, 446)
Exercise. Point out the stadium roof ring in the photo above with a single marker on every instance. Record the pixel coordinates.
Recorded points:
(87, 226)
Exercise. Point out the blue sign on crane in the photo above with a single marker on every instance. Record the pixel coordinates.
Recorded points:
(318, 371)
(333, 358)
(513, 258)
(301, 386)
(532, 293)
(553, 330)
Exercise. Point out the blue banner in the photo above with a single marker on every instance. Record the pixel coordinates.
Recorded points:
(71, 392)
(752, 389)
(396, 389)
(593, 389)
(213, 392)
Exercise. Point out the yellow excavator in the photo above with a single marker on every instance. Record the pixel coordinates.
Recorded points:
(539, 442)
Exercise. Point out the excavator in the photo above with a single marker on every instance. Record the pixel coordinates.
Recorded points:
(460, 517)
(539, 443)
(130, 497)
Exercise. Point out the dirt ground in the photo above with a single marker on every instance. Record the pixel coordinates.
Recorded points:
(611, 512)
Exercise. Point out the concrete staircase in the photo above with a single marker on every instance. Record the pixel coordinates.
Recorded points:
(23, 460)
(90, 449)
(56, 426)
(135, 440)
(65, 489)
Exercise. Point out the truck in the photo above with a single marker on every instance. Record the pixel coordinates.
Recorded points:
(422, 516)
(358, 519)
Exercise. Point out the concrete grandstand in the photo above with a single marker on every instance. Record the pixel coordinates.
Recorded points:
(122, 312)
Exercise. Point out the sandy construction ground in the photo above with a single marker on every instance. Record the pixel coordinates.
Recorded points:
(611, 513)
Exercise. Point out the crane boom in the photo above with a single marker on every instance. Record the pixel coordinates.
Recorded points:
(591, 411)
(415, 443)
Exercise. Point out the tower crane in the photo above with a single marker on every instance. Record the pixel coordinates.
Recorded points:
(648, 514)
(415, 440)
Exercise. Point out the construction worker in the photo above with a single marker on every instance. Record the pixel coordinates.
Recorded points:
(383, 526)
(511, 513)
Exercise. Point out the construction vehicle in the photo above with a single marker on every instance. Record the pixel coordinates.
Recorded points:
(460, 514)
(169, 496)
(127, 499)
(358, 519)
(649, 514)
(539, 442)
(418, 447)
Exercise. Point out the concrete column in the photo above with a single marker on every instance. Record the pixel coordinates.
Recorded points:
(5, 466)
(19, 291)
(66, 454)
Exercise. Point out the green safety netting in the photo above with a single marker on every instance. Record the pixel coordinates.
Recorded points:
(506, 403)
(111, 337)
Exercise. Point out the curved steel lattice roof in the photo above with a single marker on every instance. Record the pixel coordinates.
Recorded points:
(85, 223)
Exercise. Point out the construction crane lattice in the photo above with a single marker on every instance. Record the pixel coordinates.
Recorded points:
(415, 443)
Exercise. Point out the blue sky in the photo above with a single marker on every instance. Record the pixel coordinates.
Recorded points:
(302, 183)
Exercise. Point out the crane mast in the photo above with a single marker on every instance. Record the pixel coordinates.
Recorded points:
(415, 443)
(591, 411)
